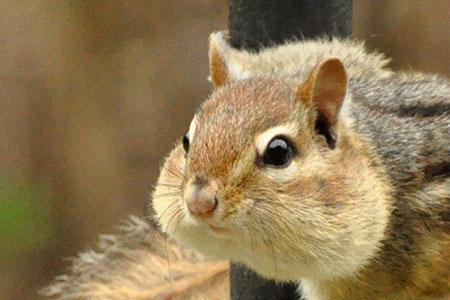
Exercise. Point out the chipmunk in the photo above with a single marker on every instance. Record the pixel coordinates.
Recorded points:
(313, 162)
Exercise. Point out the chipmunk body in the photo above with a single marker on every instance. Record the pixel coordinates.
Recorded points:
(313, 162)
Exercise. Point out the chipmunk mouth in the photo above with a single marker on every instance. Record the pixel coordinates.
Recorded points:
(220, 232)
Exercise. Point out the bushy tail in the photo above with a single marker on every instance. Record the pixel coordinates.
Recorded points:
(140, 263)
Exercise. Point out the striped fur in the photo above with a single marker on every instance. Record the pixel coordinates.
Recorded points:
(368, 219)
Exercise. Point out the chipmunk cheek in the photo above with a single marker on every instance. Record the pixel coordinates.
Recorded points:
(283, 175)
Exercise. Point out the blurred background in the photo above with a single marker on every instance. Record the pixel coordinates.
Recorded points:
(93, 94)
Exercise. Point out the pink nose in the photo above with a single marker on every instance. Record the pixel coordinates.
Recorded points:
(202, 207)
(201, 198)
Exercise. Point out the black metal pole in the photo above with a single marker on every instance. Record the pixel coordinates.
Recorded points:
(253, 25)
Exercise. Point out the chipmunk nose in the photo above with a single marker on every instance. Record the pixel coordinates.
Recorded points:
(200, 197)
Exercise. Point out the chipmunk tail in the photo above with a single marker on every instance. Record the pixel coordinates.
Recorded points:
(139, 263)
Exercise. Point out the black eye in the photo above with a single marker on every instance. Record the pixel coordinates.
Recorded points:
(186, 142)
(279, 152)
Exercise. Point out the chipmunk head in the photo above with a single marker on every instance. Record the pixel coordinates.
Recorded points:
(269, 175)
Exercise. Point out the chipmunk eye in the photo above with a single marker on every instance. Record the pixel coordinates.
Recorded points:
(186, 142)
(279, 152)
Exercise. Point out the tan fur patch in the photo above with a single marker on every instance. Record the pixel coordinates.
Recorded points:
(217, 67)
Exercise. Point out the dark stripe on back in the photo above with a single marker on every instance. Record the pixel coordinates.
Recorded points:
(423, 111)
(413, 110)
(438, 170)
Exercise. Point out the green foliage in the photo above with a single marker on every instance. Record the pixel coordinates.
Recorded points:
(25, 219)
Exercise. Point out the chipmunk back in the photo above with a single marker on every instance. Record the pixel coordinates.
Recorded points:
(313, 162)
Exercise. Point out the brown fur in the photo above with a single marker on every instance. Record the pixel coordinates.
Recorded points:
(364, 217)
(139, 263)
(361, 212)
(217, 67)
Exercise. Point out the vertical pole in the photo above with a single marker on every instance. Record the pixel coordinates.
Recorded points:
(253, 25)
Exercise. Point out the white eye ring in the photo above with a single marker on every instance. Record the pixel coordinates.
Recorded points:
(192, 128)
(262, 140)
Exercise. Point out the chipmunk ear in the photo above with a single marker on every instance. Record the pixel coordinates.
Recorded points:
(218, 71)
(325, 91)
